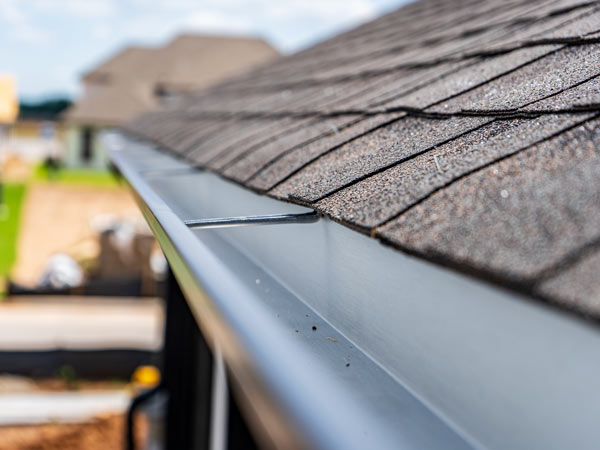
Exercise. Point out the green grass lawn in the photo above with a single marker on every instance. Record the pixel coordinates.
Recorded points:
(12, 199)
(89, 177)
(10, 212)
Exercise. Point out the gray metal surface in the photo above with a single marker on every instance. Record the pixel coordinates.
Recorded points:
(218, 429)
(437, 359)
(304, 383)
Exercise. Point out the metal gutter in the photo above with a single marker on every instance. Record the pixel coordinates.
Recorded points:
(437, 360)
(298, 383)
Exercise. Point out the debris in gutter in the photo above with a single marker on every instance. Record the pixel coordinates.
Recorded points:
(332, 339)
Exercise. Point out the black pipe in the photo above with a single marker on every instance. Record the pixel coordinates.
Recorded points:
(137, 401)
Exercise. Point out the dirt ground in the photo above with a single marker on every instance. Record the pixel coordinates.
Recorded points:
(103, 433)
(59, 218)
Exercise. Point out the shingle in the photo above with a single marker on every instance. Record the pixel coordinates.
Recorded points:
(576, 287)
(374, 200)
(299, 139)
(378, 198)
(169, 130)
(204, 149)
(382, 147)
(295, 160)
(148, 122)
(572, 24)
(455, 83)
(231, 102)
(516, 218)
(252, 163)
(430, 93)
(227, 148)
(276, 100)
(584, 94)
(198, 130)
(469, 77)
(414, 80)
(479, 34)
(164, 128)
(546, 76)
(280, 135)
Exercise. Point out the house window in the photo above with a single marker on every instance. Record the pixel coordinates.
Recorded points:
(166, 96)
(86, 144)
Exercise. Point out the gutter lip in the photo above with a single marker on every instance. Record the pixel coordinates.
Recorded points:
(164, 223)
(314, 421)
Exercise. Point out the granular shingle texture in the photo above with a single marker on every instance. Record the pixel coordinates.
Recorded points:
(464, 132)
(520, 218)
(393, 191)
(576, 286)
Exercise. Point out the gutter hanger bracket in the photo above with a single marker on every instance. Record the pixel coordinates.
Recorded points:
(243, 221)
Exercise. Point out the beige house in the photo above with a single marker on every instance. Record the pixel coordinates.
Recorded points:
(139, 79)
(9, 106)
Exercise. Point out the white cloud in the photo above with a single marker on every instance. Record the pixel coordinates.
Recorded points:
(290, 24)
(31, 34)
(79, 8)
(101, 31)
(20, 27)
(336, 10)
(217, 21)
(10, 12)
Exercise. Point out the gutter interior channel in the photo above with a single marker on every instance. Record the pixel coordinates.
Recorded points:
(501, 371)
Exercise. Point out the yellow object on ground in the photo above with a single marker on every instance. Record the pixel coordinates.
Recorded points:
(146, 377)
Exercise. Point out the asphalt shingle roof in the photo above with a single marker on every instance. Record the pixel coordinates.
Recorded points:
(463, 132)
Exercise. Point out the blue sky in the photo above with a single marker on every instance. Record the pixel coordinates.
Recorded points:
(47, 44)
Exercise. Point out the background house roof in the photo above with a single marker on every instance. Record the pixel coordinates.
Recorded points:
(463, 132)
(127, 84)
